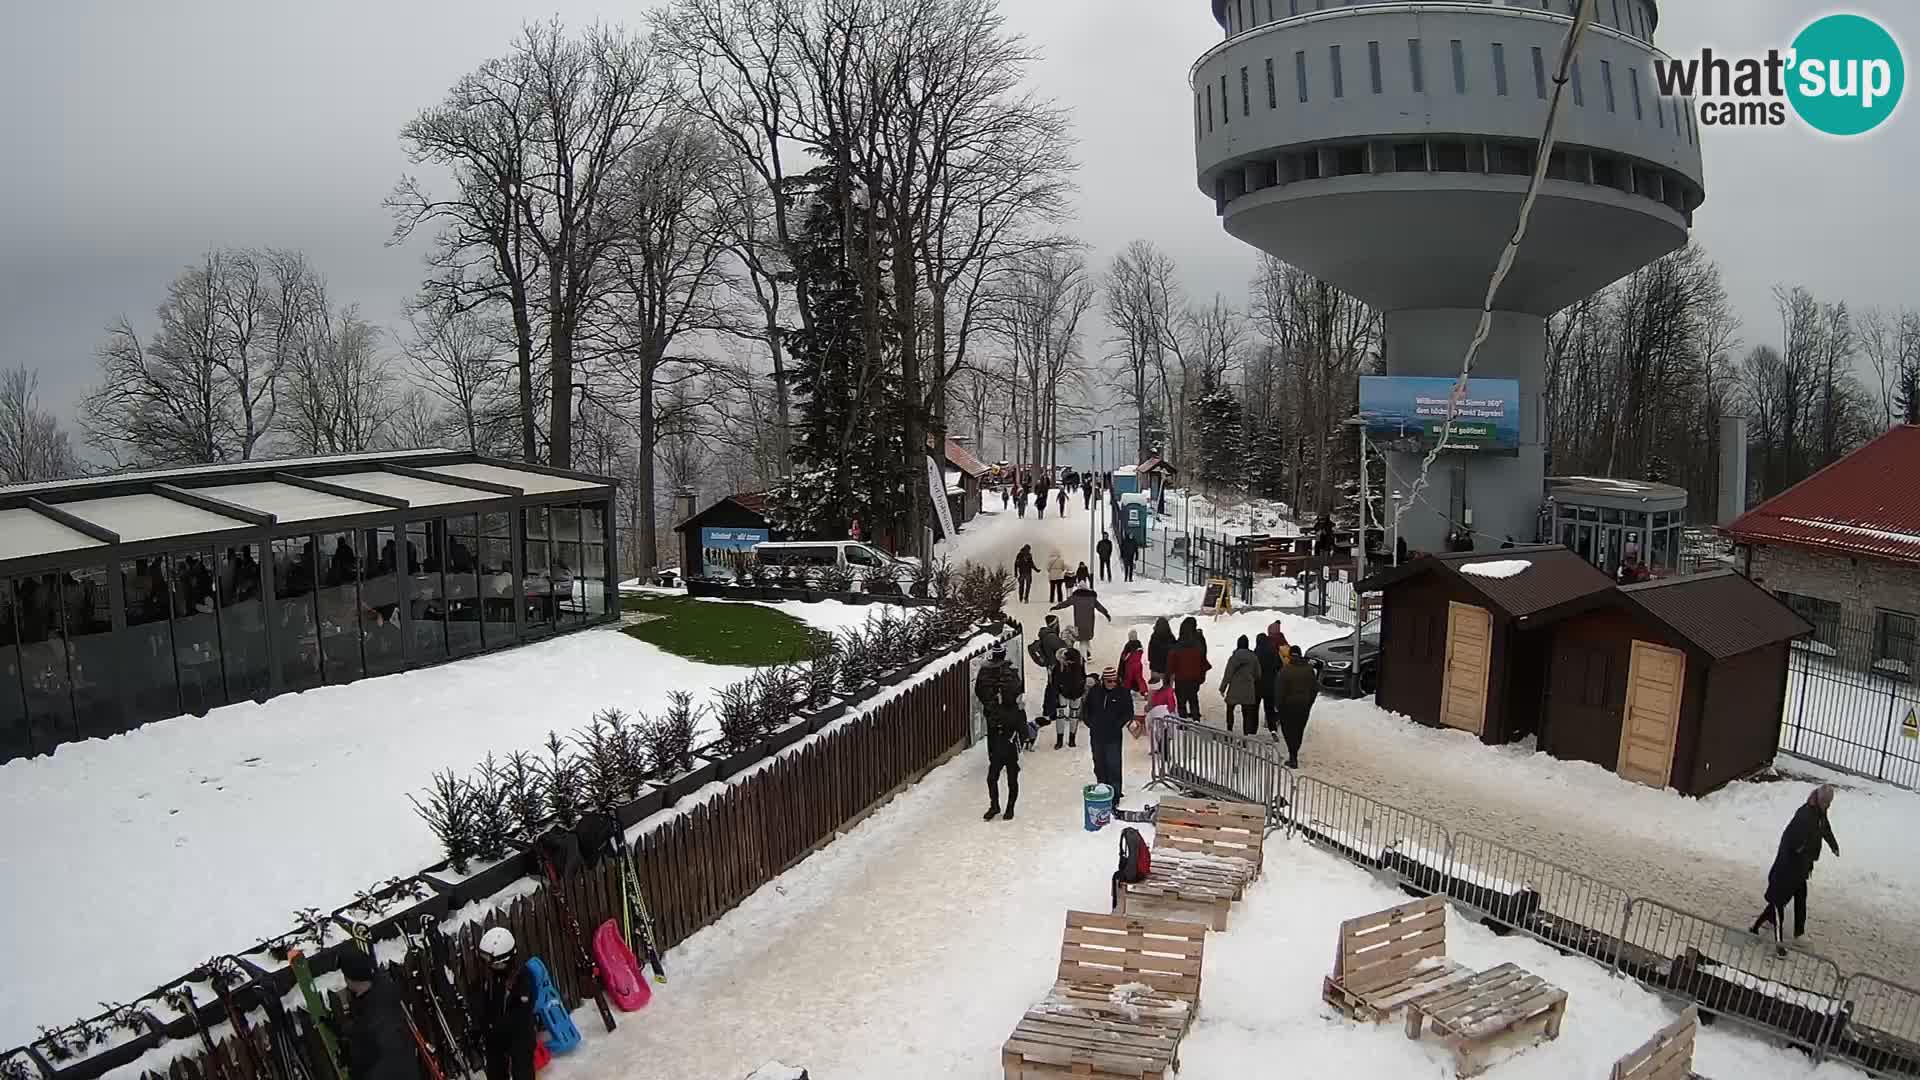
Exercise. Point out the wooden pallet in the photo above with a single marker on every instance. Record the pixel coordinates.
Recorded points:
(1225, 830)
(1388, 958)
(1666, 1056)
(1188, 884)
(1088, 1026)
(1050, 1044)
(1497, 1006)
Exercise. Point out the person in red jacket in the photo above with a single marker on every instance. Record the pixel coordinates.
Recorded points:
(1188, 665)
(1133, 657)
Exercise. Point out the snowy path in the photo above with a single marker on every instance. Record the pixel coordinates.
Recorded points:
(1708, 856)
(910, 947)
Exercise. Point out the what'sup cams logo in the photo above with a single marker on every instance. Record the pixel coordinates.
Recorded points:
(1842, 76)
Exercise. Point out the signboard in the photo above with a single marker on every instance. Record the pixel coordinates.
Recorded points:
(937, 488)
(1910, 727)
(727, 549)
(1218, 598)
(1406, 413)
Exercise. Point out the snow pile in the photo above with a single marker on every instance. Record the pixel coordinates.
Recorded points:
(1496, 568)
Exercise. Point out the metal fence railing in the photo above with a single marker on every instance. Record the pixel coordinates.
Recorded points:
(1850, 690)
(1784, 992)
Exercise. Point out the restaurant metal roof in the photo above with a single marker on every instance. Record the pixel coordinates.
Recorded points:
(1867, 503)
(44, 521)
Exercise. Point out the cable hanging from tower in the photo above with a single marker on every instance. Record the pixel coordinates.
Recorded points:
(1581, 20)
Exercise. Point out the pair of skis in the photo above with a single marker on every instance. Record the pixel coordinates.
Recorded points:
(435, 1059)
(585, 964)
(284, 1060)
(636, 920)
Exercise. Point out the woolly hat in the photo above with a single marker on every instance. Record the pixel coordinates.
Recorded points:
(356, 966)
(1133, 635)
(1110, 676)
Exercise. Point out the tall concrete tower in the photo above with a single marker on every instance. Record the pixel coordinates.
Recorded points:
(1386, 147)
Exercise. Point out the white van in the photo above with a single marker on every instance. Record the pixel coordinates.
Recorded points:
(858, 558)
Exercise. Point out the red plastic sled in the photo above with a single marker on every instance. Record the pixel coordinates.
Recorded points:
(541, 1055)
(626, 984)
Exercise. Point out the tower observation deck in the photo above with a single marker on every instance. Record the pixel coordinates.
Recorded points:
(1386, 147)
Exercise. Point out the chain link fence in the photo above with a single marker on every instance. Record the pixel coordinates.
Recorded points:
(1779, 991)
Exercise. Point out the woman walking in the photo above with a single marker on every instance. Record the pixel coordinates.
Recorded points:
(1056, 578)
(1240, 685)
(1188, 665)
(1023, 568)
(1793, 865)
(1158, 646)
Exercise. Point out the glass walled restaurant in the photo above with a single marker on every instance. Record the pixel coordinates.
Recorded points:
(132, 598)
(1601, 518)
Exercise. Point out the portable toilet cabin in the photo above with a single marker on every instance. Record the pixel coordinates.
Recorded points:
(1126, 480)
(1134, 514)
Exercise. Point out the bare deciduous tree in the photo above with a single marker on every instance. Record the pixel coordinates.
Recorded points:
(457, 356)
(32, 445)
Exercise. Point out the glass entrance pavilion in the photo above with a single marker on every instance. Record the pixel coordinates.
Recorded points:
(1599, 517)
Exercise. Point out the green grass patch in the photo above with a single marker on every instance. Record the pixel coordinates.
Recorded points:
(711, 632)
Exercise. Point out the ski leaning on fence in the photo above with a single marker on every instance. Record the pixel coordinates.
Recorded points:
(429, 1058)
(317, 1009)
(590, 971)
(432, 986)
(221, 975)
(639, 921)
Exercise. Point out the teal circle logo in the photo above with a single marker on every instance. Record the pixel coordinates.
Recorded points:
(1847, 75)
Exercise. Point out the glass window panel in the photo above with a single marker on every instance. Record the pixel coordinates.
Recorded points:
(462, 563)
(295, 574)
(340, 642)
(1663, 548)
(43, 659)
(569, 606)
(498, 589)
(380, 601)
(94, 661)
(196, 630)
(16, 735)
(1610, 515)
(244, 657)
(593, 564)
(147, 660)
(426, 591)
(535, 565)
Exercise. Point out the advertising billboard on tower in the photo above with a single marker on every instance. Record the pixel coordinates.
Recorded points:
(1406, 413)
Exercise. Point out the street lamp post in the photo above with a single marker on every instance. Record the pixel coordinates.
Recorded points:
(1359, 561)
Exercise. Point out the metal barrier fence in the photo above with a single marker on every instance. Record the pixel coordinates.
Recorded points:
(1789, 993)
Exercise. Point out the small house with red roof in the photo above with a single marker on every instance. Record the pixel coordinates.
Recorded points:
(1842, 549)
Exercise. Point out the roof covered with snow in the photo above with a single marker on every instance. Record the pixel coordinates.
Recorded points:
(1867, 503)
(45, 522)
(1547, 576)
(1721, 612)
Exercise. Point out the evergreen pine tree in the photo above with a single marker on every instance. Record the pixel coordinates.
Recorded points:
(1220, 431)
(850, 462)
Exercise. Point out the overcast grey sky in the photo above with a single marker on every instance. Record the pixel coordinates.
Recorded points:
(140, 134)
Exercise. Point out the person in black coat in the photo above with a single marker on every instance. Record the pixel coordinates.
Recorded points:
(1270, 665)
(1129, 552)
(1159, 645)
(1023, 570)
(380, 1045)
(1793, 865)
(506, 1009)
(1109, 709)
(1104, 549)
(1295, 688)
(998, 688)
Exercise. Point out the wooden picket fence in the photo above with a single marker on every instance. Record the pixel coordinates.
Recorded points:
(699, 863)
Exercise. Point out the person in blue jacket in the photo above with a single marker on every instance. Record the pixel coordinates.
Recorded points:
(1108, 711)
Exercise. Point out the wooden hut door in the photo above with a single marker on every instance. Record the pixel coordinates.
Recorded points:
(1655, 679)
(1463, 689)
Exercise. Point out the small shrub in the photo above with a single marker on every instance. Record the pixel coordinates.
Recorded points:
(449, 812)
(623, 732)
(524, 792)
(880, 581)
(823, 670)
(923, 630)
(755, 573)
(834, 579)
(60, 1043)
(943, 580)
(493, 815)
(565, 777)
(126, 1018)
(669, 738)
(312, 925)
(858, 664)
(603, 765)
(922, 579)
(739, 716)
(982, 591)
(17, 1067)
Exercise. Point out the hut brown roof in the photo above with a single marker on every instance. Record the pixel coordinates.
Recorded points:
(1720, 612)
(1555, 580)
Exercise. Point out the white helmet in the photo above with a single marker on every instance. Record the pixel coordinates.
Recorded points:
(497, 944)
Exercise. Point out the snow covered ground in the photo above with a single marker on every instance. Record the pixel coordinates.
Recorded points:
(132, 859)
(911, 947)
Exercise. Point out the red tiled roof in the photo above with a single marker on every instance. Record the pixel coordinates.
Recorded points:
(755, 502)
(1867, 503)
(961, 458)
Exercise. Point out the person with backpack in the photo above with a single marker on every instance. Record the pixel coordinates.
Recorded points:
(1056, 578)
(1109, 711)
(1158, 646)
(1132, 664)
(1188, 664)
(998, 689)
(1136, 862)
(1084, 603)
(1240, 686)
(1045, 654)
(1023, 568)
(1295, 689)
(1104, 549)
(506, 1008)
(1069, 687)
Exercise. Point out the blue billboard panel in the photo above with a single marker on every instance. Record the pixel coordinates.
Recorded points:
(726, 550)
(1407, 413)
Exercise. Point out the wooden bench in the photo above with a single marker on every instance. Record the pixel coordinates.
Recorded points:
(1126, 991)
(1497, 1006)
(1205, 852)
(1389, 958)
(1666, 1056)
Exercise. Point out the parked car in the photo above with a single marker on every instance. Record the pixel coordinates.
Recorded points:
(1335, 662)
(858, 558)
